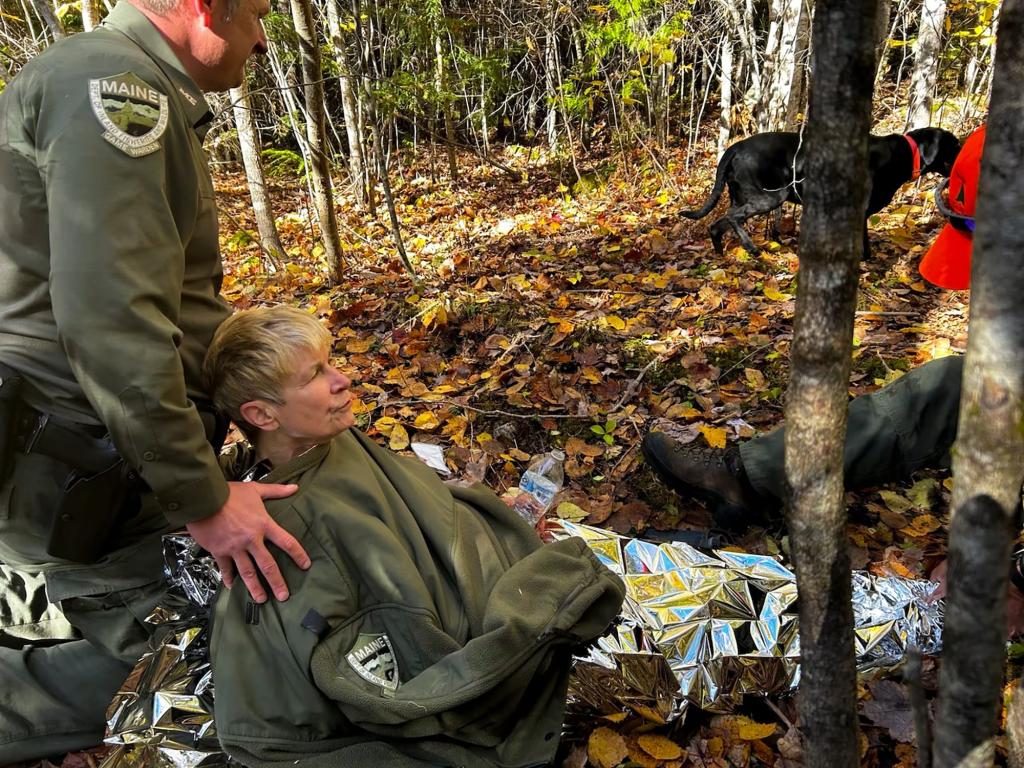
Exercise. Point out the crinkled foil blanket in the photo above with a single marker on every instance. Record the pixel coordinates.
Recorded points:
(697, 629)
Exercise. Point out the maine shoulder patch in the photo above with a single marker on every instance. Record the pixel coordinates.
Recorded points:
(132, 111)
(373, 659)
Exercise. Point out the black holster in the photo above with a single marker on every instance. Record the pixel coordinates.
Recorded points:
(89, 509)
(10, 400)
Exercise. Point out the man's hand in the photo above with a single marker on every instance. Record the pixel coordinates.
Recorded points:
(235, 535)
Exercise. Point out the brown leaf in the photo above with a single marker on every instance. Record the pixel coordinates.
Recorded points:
(890, 709)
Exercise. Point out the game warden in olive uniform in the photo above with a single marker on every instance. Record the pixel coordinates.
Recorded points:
(109, 280)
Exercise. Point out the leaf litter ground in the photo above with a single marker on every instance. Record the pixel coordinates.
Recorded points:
(581, 316)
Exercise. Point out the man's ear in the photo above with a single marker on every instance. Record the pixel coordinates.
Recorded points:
(259, 414)
(203, 10)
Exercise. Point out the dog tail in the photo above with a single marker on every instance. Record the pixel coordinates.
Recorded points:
(716, 191)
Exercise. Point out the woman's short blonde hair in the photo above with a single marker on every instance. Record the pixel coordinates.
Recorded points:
(253, 353)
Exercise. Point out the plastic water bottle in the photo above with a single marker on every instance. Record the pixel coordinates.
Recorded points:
(539, 485)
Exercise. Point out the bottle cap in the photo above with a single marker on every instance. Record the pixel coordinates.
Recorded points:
(560, 455)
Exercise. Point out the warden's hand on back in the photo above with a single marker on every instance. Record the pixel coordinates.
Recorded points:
(236, 537)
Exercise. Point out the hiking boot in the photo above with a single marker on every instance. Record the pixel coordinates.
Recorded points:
(715, 477)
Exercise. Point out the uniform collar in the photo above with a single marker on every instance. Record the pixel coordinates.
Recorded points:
(131, 22)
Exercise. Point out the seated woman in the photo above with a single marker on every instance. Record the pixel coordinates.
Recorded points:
(433, 628)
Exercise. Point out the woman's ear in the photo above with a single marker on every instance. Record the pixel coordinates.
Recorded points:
(259, 414)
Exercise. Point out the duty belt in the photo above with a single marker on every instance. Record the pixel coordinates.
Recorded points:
(82, 446)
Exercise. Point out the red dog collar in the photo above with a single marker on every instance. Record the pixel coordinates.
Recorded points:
(917, 157)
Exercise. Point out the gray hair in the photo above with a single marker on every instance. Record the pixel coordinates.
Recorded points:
(164, 7)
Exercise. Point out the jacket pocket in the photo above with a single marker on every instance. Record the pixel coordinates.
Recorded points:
(381, 647)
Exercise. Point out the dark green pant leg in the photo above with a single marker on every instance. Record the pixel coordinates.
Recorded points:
(902, 427)
(54, 699)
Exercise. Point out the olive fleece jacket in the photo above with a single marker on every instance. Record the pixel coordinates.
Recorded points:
(433, 627)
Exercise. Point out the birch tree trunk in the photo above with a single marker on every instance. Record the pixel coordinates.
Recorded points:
(353, 123)
(725, 96)
(89, 19)
(988, 460)
(362, 48)
(441, 84)
(780, 63)
(550, 83)
(316, 134)
(797, 102)
(831, 244)
(248, 141)
(927, 50)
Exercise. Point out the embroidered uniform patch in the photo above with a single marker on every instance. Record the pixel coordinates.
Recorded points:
(373, 659)
(132, 111)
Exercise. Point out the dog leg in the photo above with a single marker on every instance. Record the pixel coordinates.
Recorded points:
(717, 231)
(764, 203)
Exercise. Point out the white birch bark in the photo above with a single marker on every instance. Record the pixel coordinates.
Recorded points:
(249, 143)
(725, 96)
(316, 133)
(927, 51)
(350, 107)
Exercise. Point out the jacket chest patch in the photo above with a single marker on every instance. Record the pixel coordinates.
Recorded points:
(133, 113)
(373, 659)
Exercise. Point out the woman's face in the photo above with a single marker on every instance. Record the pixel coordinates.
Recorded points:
(317, 402)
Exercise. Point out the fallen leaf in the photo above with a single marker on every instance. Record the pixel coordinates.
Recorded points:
(890, 709)
(895, 502)
(924, 492)
(922, 525)
(606, 748)
(751, 730)
(427, 421)
(714, 435)
(659, 747)
(399, 438)
(615, 322)
(571, 512)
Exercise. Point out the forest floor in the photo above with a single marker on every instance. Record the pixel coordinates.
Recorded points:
(580, 314)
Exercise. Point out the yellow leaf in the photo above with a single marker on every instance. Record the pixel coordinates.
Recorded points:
(385, 424)
(427, 421)
(571, 512)
(606, 748)
(750, 730)
(714, 435)
(399, 438)
(772, 292)
(615, 322)
(681, 411)
(659, 746)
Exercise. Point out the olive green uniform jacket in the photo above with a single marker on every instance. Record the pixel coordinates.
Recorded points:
(432, 628)
(109, 263)
(109, 280)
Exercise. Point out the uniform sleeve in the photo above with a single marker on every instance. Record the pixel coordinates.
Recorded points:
(117, 265)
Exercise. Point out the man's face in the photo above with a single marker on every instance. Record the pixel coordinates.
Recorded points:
(317, 402)
(230, 40)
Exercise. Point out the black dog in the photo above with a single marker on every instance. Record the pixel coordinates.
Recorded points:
(766, 170)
